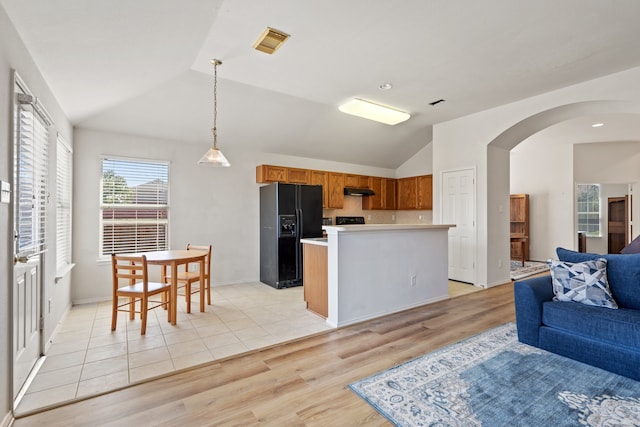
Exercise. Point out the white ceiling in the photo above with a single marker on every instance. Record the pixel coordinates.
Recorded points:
(143, 67)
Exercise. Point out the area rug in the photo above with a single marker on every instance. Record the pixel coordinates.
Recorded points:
(530, 268)
(491, 379)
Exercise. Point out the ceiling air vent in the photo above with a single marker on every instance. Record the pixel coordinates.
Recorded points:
(270, 40)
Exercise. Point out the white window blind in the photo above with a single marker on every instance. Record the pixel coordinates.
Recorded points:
(64, 181)
(32, 133)
(134, 206)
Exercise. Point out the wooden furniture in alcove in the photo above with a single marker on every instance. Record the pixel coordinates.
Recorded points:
(519, 220)
(618, 220)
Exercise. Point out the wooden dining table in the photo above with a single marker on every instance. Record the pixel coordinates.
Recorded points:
(173, 259)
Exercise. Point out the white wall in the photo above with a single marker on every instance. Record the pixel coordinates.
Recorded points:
(542, 167)
(420, 164)
(13, 55)
(464, 142)
(217, 205)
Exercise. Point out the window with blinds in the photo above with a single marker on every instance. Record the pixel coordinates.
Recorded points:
(32, 133)
(63, 206)
(134, 206)
(588, 207)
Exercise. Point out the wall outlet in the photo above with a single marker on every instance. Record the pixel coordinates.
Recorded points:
(413, 280)
(393, 217)
(368, 217)
(420, 217)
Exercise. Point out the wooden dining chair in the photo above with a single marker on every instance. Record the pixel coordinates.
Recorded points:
(192, 275)
(132, 270)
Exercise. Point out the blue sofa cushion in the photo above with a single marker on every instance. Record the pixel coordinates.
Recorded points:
(584, 282)
(623, 274)
(617, 327)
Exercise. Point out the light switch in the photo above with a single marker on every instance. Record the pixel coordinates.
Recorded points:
(5, 192)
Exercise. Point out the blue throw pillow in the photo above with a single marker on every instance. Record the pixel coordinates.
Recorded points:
(623, 274)
(583, 282)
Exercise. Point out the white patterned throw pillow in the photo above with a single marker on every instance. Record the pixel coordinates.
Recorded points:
(583, 282)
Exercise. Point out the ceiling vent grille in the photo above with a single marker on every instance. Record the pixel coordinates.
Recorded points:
(270, 40)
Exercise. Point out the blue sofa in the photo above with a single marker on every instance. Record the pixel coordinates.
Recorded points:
(602, 337)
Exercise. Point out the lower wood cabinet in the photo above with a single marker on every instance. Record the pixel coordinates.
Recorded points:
(315, 278)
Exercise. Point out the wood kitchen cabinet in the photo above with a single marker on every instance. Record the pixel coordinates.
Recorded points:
(415, 193)
(298, 176)
(375, 201)
(356, 181)
(385, 194)
(321, 178)
(315, 278)
(268, 173)
(425, 192)
(407, 193)
(336, 191)
(389, 200)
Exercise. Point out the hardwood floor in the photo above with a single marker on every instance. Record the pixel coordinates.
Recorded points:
(297, 384)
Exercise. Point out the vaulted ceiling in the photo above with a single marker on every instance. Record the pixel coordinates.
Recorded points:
(143, 67)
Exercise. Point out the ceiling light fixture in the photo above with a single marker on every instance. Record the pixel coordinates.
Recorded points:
(597, 125)
(213, 156)
(270, 40)
(372, 111)
(385, 86)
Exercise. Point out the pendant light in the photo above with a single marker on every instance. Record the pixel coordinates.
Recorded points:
(213, 156)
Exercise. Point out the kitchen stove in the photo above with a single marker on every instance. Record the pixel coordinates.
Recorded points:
(349, 220)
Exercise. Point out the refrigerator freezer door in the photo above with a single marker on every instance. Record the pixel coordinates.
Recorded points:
(310, 203)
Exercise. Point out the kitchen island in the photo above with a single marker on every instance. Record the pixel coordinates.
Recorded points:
(378, 269)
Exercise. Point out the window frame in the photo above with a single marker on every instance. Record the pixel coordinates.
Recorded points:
(590, 212)
(64, 204)
(132, 246)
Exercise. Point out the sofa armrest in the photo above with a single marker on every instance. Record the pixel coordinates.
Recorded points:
(529, 295)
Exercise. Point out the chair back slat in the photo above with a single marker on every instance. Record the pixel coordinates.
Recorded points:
(207, 259)
(130, 268)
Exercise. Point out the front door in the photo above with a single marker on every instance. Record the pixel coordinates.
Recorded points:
(30, 147)
(458, 207)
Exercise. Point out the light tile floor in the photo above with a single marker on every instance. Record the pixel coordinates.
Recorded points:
(86, 358)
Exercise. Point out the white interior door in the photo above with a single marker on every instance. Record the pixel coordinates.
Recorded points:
(458, 207)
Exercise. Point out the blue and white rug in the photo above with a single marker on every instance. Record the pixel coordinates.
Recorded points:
(491, 379)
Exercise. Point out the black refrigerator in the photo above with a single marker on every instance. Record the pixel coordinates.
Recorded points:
(288, 213)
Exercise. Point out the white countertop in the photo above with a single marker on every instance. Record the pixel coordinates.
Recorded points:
(319, 241)
(386, 227)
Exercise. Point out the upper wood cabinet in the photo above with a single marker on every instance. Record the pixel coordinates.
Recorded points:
(321, 178)
(415, 193)
(375, 201)
(268, 173)
(385, 194)
(412, 193)
(298, 176)
(389, 186)
(336, 190)
(407, 193)
(356, 181)
(425, 192)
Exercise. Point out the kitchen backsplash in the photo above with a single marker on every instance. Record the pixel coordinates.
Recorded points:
(353, 207)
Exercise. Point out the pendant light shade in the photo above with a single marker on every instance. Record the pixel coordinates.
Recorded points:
(213, 156)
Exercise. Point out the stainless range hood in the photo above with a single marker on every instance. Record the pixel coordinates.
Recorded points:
(348, 191)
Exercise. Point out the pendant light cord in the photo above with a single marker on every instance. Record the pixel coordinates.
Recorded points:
(214, 130)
